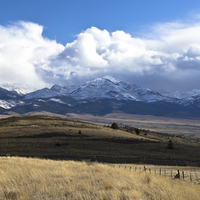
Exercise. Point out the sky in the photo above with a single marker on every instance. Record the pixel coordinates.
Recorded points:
(151, 43)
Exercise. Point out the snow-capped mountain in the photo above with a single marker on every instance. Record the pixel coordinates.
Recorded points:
(5, 94)
(8, 104)
(185, 94)
(19, 89)
(55, 90)
(101, 96)
(9, 99)
(187, 97)
(110, 88)
(101, 88)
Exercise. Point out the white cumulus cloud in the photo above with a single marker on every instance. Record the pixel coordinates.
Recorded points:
(23, 50)
(168, 58)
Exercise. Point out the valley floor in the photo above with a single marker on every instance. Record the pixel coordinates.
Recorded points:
(187, 127)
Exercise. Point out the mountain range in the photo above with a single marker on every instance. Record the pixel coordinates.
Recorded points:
(99, 97)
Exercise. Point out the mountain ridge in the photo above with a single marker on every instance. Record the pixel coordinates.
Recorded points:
(100, 96)
(106, 87)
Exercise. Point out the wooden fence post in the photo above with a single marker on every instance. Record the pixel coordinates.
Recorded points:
(145, 169)
(165, 173)
(183, 174)
(190, 177)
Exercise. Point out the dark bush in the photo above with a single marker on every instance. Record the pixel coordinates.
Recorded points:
(57, 144)
(114, 126)
(137, 131)
(170, 145)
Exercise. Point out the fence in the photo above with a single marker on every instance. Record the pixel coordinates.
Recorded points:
(183, 174)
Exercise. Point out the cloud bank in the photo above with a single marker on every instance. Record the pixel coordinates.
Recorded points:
(166, 58)
(23, 51)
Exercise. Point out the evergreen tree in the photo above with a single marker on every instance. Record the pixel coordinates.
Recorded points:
(114, 126)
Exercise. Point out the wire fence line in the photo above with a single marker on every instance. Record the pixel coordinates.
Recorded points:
(183, 174)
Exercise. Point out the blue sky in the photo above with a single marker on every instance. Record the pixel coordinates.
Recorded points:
(64, 19)
(152, 43)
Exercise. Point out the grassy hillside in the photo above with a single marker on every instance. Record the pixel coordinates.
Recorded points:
(35, 179)
(58, 138)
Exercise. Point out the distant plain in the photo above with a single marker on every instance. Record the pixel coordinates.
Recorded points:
(187, 127)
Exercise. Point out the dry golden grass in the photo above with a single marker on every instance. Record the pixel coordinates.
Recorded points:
(16, 126)
(35, 179)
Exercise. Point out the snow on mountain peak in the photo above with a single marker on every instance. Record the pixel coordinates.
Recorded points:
(111, 79)
(184, 95)
(20, 89)
(105, 88)
(111, 88)
(100, 88)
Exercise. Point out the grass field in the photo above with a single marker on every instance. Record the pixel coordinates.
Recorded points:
(90, 145)
(38, 179)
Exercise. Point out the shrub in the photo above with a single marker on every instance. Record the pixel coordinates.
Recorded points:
(137, 131)
(170, 145)
(57, 144)
(114, 126)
